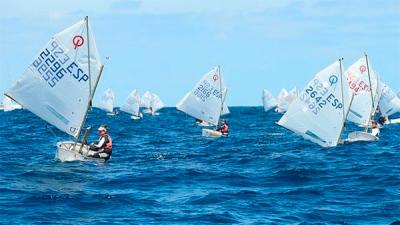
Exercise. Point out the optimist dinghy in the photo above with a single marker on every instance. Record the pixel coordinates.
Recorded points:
(366, 88)
(269, 101)
(59, 85)
(132, 105)
(320, 111)
(107, 102)
(152, 103)
(206, 101)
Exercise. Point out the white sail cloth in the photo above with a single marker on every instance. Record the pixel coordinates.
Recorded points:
(57, 85)
(10, 105)
(285, 98)
(151, 100)
(132, 104)
(107, 101)
(205, 100)
(318, 114)
(269, 101)
(389, 103)
(362, 106)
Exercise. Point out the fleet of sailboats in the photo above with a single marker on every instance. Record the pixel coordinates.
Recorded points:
(60, 83)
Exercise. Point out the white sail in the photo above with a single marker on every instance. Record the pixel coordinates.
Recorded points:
(205, 100)
(225, 108)
(285, 98)
(107, 101)
(389, 103)
(269, 101)
(132, 103)
(318, 114)
(57, 85)
(156, 103)
(146, 99)
(357, 78)
(10, 105)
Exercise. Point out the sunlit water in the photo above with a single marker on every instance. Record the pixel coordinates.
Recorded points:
(163, 171)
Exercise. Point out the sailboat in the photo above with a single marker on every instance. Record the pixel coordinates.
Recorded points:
(365, 85)
(59, 85)
(107, 102)
(10, 105)
(132, 105)
(152, 103)
(389, 104)
(269, 101)
(205, 101)
(320, 111)
(285, 98)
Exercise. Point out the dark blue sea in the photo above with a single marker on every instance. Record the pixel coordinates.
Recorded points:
(163, 171)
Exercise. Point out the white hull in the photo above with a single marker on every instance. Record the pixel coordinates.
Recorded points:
(211, 133)
(112, 113)
(361, 136)
(394, 121)
(148, 111)
(68, 151)
(136, 117)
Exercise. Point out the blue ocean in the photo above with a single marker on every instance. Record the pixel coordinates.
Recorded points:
(163, 171)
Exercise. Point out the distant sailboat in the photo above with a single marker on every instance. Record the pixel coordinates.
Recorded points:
(285, 98)
(152, 103)
(320, 111)
(9, 105)
(132, 105)
(269, 101)
(206, 100)
(107, 102)
(365, 84)
(389, 104)
(59, 85)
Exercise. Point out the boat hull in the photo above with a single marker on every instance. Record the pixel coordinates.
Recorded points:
(361, 136)
(211, 133)
(68, 151)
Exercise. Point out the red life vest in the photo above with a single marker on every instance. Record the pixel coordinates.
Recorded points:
(224, 129)
(108, 147)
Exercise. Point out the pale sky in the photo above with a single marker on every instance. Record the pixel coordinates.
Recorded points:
(166, 46)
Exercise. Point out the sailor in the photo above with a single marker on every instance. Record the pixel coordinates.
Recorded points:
(103, 148)
(383, 120)
(224, 129)
(199, 121)
(375, 129)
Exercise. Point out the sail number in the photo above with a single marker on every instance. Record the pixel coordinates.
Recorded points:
(205, 90)
(53, 64)
(316, 97)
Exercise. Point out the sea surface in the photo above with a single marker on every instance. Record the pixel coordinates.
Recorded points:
(163, 171)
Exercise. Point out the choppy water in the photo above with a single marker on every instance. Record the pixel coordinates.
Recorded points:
(163, 171)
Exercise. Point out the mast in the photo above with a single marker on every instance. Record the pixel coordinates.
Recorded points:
(345, 114)
(372, 95)
(220, 90)
(91, 94)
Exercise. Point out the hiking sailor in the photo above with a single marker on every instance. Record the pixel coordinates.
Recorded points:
(103, 148)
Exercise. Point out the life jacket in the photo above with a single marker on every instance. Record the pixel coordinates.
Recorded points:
(224, 129)
(108, 144)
